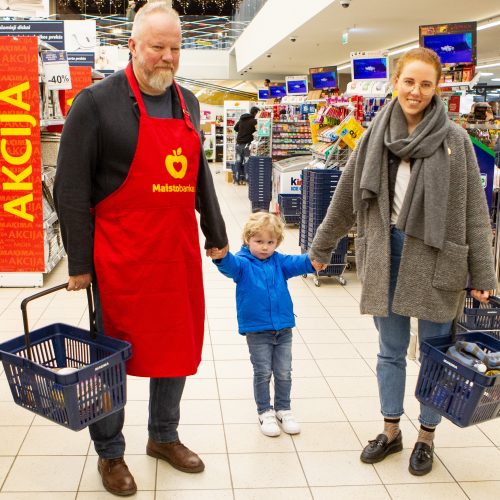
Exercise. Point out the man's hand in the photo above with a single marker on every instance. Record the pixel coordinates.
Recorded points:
(317, 266)
(79, 282)
(481, 295)
(217, 253)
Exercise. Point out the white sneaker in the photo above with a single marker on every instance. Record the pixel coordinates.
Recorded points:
(287, 422)
(268, 424)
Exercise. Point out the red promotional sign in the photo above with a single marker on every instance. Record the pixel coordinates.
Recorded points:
(81, 77)
(21, 214)
(454, 104)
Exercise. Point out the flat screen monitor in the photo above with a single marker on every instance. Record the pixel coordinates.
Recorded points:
(454, 43)
(370, 68)
(263, 94)
(296, 85)
(323, 78)
(277, 90)
(454, 48)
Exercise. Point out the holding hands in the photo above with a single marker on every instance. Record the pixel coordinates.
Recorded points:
(217, 253)
(317, 266)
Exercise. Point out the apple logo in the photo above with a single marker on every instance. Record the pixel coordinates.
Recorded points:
(172, 160)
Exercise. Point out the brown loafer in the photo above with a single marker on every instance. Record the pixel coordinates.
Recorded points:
(176, 454)
(116, 477)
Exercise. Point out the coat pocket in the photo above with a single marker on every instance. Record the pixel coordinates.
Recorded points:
(360, 251)
(451, 267)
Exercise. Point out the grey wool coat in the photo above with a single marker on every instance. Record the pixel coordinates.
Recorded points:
(431, 282)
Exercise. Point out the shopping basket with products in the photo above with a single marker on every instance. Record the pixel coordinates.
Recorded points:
(68, 375)
(460, 373)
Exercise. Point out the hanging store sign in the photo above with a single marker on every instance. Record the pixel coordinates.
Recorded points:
(21, 215)
(51, 32)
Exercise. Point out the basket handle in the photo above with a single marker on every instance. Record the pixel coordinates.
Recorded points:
(24, 304)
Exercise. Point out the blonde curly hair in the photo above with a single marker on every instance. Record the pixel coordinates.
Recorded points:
(263, 221)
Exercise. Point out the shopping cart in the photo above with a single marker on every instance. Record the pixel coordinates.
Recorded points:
(95, 389)
(318, 187)
(458, 392)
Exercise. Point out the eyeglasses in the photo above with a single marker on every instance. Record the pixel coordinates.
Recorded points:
(425, 88)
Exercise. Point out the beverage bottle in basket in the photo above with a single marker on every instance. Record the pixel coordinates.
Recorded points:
(444, 390)
(97, 397)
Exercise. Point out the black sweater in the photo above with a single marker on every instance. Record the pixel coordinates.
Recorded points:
(245, 128)
(97, 147)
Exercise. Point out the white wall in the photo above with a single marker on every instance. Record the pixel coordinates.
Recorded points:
(204, 64)
(275, 21)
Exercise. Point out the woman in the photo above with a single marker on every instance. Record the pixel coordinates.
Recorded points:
(414, 189)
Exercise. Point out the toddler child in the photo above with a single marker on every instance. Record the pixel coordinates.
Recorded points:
(265, 314)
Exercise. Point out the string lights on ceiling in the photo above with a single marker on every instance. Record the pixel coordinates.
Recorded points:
(203, 4)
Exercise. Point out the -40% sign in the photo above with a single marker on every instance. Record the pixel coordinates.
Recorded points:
(56, 68)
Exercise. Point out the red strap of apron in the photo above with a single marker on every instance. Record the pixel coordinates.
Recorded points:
(129, 72)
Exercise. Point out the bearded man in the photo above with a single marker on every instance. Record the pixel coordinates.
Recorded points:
(130, 174)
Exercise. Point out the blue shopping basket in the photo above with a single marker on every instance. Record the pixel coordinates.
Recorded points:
(458, 392)
(93, 391)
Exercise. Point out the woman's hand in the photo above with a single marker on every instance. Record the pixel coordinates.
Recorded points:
(481, 295)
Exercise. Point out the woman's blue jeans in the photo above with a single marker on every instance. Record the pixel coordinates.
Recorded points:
(394, 338)
(271, 354)
(164, 411)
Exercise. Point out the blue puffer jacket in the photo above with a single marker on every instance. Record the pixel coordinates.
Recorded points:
(262, 298)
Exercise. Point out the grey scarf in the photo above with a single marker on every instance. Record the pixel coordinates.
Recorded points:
(423, 214)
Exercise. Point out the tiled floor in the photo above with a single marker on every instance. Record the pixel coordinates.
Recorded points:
(334, 396)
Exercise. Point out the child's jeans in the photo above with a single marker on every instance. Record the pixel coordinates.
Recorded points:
(271, 354)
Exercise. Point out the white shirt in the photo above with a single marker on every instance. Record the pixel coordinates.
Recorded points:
(402, 180)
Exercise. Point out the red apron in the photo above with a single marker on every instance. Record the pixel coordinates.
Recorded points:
(147, 253)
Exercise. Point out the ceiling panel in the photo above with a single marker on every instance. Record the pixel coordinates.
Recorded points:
(374, 25)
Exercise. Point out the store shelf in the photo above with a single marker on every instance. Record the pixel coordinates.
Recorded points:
(48, 222)
(54, 261)
(48, 123)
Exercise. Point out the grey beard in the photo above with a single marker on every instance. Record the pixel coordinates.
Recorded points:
(160, 80)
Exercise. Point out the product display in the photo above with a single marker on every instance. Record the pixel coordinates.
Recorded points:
(29, 230)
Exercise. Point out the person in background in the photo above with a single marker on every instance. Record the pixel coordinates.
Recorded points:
(265, 314)
(423, 233)
(494, 105)
(126, 192)
(245, 128)
(130, 13)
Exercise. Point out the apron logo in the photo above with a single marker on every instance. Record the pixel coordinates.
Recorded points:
(172, 160)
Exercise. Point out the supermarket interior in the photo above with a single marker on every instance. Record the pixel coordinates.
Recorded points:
(292, 98)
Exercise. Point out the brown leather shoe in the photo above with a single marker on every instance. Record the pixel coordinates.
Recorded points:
(176, 454)
(116, 477)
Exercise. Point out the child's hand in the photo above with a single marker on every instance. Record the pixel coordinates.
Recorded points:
(317, 266)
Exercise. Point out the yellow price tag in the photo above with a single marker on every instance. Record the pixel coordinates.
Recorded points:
(351, 132)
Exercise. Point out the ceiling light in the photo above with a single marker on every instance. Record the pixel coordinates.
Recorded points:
(495, 79)
(486, 74)
(406, 49)
(488, 25)
(492, 65)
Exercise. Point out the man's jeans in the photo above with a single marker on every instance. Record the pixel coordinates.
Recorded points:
(271, 354)
(240, 168)
(164, 411)
(394, 338)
